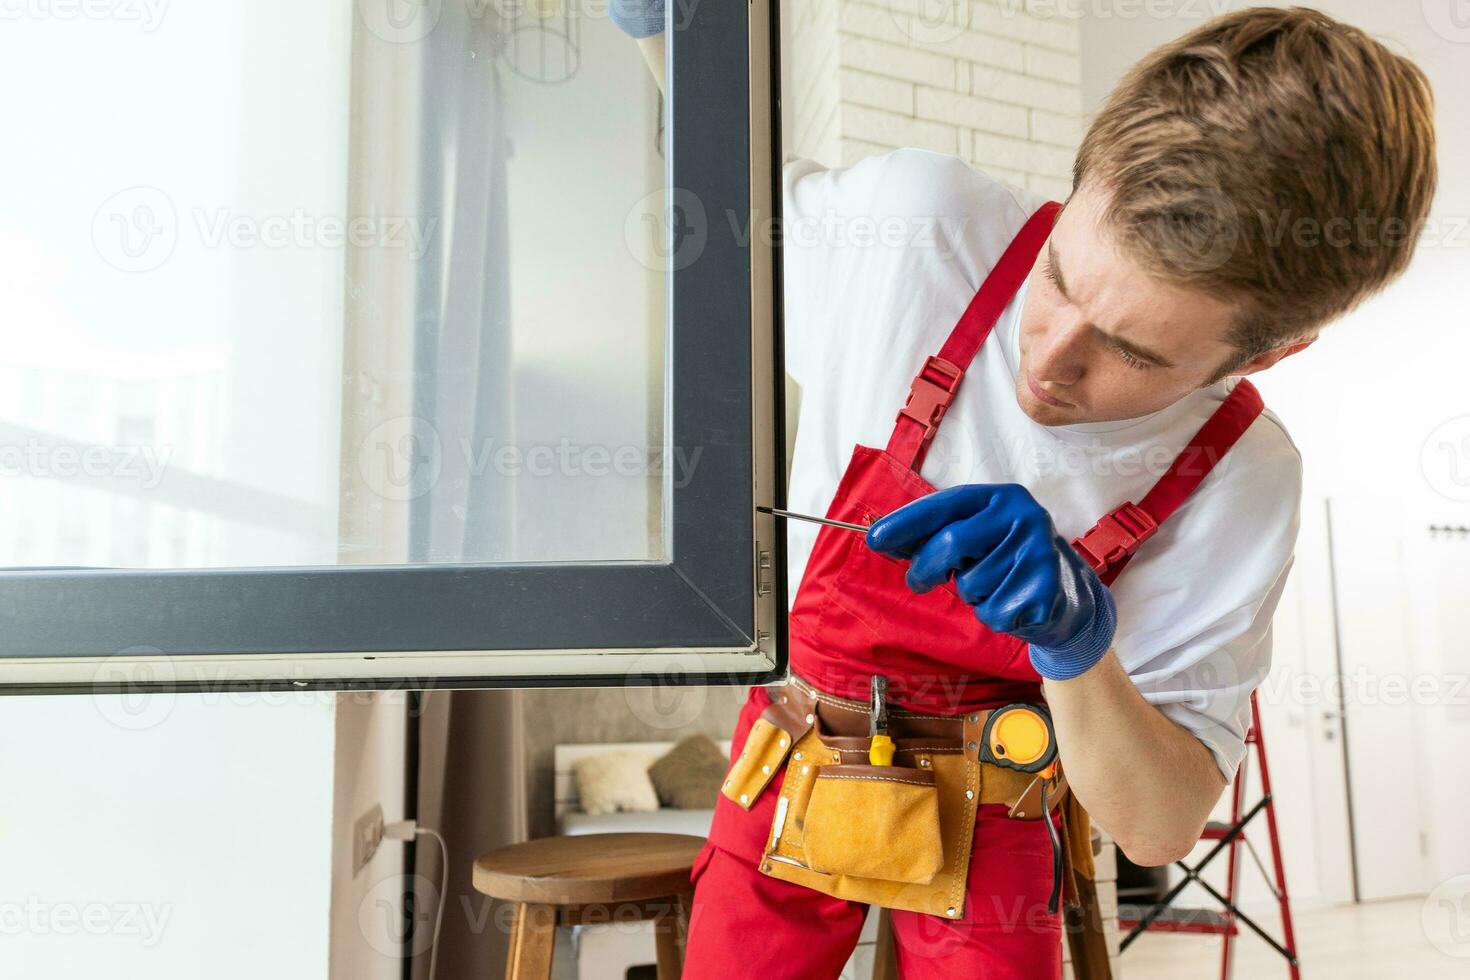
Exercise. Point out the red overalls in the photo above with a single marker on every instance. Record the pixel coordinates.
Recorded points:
(853, 616)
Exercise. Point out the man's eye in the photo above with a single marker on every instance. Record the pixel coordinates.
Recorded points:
(1051, 276)
(1132, 361)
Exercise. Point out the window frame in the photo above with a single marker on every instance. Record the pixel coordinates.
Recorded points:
(700, 616)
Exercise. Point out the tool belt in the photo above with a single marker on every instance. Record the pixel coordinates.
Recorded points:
(900, 836)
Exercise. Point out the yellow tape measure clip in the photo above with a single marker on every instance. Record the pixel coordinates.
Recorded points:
(1019, 736)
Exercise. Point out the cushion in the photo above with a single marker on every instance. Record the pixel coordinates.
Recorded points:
(688, 776)
(612, 781)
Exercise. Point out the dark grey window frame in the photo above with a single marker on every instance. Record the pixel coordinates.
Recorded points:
(713, 613)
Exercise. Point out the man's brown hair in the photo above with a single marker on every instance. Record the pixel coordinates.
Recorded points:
(1272, 157)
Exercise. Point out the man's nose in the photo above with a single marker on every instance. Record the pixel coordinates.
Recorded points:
(1059, 358)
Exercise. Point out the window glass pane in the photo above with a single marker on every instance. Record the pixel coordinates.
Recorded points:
(330, 284)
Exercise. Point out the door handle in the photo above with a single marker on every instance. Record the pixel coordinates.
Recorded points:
(1330, 723)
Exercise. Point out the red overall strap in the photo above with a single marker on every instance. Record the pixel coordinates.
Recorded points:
(934, 387)
(1113, 540)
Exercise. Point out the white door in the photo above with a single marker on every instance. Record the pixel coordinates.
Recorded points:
(1303, 732)
(1439, 572)
(1386, 733)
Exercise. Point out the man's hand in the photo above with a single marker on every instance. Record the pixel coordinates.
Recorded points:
(643, 20)
(1147, 781)
(1010, 564)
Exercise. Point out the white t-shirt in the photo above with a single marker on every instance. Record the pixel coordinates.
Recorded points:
(881, 258)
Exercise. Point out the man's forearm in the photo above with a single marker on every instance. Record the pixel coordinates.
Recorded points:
(1147, 781)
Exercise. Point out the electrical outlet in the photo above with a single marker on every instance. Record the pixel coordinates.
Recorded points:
(367, 834)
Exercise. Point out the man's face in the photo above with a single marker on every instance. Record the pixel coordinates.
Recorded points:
(1101, 339)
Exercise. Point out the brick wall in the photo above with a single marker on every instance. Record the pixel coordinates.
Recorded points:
(996, 82)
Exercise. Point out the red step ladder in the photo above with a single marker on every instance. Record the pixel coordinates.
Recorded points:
(1164, 917)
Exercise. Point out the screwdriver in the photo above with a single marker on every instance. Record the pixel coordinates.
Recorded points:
(794, 516)
(881, 747)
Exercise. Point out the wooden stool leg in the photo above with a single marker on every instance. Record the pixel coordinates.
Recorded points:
(686, 908)
(670, 931)
(531, 941)
(885, 950)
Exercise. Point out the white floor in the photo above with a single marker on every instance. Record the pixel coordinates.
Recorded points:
(1348, 942)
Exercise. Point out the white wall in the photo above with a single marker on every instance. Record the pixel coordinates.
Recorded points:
(1362, 405)
(366, 907)
(151, 837)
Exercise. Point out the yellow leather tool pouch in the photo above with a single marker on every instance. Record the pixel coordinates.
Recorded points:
(844, 841)
(874, 841)
(874, 822)
(764, 751)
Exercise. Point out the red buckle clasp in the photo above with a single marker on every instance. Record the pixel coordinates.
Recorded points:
(1116, 536)
(930, 396)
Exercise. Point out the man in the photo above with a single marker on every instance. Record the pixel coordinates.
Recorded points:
(1102, 350)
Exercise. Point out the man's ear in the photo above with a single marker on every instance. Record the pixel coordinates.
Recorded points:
(1262, 361)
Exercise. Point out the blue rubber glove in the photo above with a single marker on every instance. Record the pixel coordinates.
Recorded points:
(1010, 564)
(637, 18)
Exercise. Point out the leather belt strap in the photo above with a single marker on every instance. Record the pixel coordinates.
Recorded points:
(842, 724)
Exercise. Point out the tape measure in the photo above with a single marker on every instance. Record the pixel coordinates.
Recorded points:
(1019, 736)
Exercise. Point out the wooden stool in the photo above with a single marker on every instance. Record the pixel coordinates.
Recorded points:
(588, 880)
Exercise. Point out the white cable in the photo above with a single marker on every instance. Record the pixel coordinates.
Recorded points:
(407, 830)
